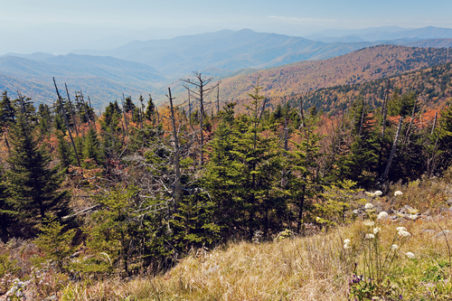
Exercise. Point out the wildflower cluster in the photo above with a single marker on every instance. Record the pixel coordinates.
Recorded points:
(376, 267)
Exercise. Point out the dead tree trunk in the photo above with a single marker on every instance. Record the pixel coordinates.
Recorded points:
(434, 124)
(200, 84)
(408, 130)
(286, 144)
(361, 120)
(72, 112)
(124, 114)
(218, 98)
(177, 181)
(393, 150)
(62, 111)
(302, 113)
(384, 111)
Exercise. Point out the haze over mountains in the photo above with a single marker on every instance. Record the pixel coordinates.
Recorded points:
(145, 66)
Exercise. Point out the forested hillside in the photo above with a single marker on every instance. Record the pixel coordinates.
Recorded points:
(134, 189)
(353, 68)
(432, 85)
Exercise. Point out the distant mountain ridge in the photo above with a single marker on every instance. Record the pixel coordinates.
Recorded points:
(150, 66)
(226, 51)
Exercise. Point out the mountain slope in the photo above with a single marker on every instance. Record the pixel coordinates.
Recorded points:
(432, 85)
(78, 65)
(357, 67)
(103, 78)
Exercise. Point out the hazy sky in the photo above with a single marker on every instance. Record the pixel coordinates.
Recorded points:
(60, 26)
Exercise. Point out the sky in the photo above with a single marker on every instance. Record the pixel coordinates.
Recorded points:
(61, 26)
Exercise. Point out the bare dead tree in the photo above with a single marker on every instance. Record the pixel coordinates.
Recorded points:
(72, 111)
(408, 131)
(141, 112)
(62, 111)
(301, 112)
(218, 97)
(361, 120)
(393, 150)
(285, 142)
(177, 181)
(126, 123)
(384, 111)
(199, 85)
(434, 123)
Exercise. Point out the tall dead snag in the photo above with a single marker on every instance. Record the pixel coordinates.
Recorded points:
(199, 83)
(408, 131)
(393, 150)
(63, 112)
(256, 98)
(218, 97)
(434, 123)
(384, 113)
(189, 108)
(361, 120)
(126, 123)
(285, 142)
(302, 112)
(72, 111)
(177, 181)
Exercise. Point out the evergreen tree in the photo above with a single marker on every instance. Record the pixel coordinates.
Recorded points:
(7, 112)
(44, 119)
(303, 182)
(225, 175)
(6, 210)
(7, 116)
(33, 187)
(91, 148)
(360, 165)
(129, 106)
(150, 109)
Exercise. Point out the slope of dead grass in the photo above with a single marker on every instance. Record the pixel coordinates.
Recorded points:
(302, 268)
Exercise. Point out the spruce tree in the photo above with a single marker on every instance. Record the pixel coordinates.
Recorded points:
(7, 116)
(33, 186)
(360, 164)
(6, 212)
(303, 182)
(7, 112)
(91, 148)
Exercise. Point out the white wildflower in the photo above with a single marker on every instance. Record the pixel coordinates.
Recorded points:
(410, 255)
(378, 193)
(347, 243)
(368, 206)
(382, 215)
(404, 233)
(368, 223)
(376, 230)
(356, 211)
(412, 217)
(400, 229)
(394, 247)
(370, 236)
(398, 193)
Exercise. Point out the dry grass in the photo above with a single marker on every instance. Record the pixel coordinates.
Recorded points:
(303, 268)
